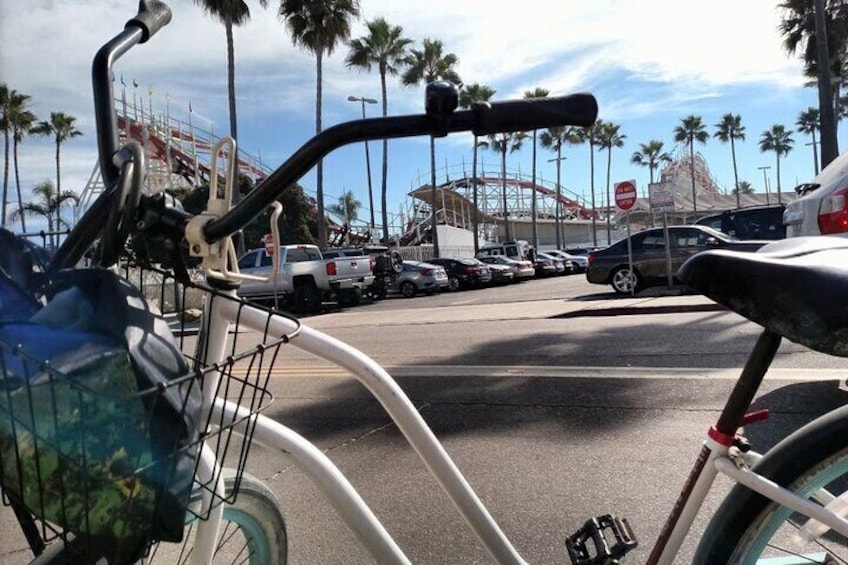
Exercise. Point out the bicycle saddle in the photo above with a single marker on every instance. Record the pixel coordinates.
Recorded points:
(797, 288)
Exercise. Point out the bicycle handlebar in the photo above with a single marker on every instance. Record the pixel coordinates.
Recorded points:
(152, 16)
(484, 119)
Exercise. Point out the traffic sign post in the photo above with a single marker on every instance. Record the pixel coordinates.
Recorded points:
(625, 195)
(625, 198)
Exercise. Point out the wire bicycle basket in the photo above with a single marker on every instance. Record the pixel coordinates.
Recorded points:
(89, 451)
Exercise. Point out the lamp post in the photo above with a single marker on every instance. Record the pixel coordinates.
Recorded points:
(765, 182)
(364, 101)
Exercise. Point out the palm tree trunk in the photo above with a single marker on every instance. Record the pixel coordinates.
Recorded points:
(319, 175)
(18, 185)
(777, 156)
(692, 174)
(383, 188)
(735, 174)
(475, 217)
(55, 238)
(815, 154)
(231, 82)
(434, 221)
(609, 167)
(533, 199)
(5, 177)
(592, 190)
(503, 194)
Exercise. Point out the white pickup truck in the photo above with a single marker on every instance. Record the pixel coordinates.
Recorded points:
(305, 278)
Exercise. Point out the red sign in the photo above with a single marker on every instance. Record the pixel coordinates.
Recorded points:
(269, 243)
(625, 195)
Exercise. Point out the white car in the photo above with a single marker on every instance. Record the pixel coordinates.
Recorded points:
(823, 207)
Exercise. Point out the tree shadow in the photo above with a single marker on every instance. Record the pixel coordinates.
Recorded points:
(456, 405)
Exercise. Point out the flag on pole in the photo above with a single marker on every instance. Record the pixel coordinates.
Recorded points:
(189, 106)
(135, 83)
(122, 80)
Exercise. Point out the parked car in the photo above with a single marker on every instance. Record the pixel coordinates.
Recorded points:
(386, 264)
(822, 208)
(418, 276)
(544, 267)
(521, 268)
(610, 265)
(559, 263)
(756, 222)
(573, 263)
(464, 273)
(501, 274)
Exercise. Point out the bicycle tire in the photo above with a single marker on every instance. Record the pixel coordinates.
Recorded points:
(748, 527)
(253, 529)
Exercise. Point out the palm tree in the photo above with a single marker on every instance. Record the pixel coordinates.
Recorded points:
(318, 26)
(609, 138)
(554, 138)
(690, 130)
(730, 128)
(799, 29)
(590, 135)
(808, 122)
(5, 125)
(429, 64)
(504, 143)
(776, 139)
(49, 206)
(650, 155)
(61, 127)
(744, 187)
(21, 121)
(230, 13)
(347, 207)
(385, 48)
(536, 93)
(470, 94)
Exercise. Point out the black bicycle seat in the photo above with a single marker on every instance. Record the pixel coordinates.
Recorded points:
(797, 288)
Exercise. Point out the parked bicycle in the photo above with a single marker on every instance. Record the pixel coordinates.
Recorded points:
(790, 504)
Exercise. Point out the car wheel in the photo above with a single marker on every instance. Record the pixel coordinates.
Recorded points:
(307, 298)
(624, 281)
(454, 283)
(407, 288)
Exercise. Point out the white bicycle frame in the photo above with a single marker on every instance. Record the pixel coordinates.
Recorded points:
(345, 499)
(221, 315)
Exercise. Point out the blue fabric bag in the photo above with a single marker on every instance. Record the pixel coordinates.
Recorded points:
(102, 439)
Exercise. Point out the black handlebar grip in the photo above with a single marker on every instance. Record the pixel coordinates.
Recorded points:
(535, 113)
(152, 16)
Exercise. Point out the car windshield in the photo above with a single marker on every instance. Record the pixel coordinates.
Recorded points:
(719, 234)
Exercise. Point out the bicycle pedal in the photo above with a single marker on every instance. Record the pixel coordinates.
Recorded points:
(601, 541)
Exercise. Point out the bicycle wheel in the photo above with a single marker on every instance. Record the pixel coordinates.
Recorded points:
(748, 528)
(253, 529)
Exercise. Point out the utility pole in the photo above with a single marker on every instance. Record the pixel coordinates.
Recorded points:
(765, 182)
(367, 159)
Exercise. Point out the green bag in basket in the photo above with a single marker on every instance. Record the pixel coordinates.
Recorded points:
(98, 441)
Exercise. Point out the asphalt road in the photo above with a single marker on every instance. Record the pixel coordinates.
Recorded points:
(553, 417)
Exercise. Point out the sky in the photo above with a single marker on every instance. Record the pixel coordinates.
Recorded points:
(648, 64)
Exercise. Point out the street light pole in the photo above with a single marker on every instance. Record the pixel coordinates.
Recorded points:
(364, 101)
(765, 182)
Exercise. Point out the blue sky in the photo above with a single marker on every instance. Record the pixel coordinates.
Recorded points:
(649, 65)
